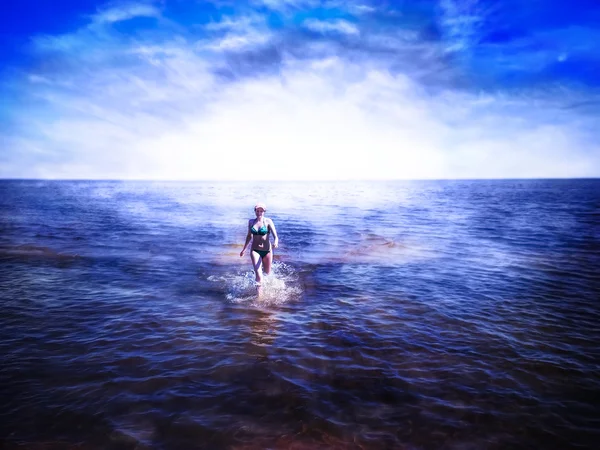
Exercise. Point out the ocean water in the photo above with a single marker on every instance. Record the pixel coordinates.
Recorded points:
(400, 315)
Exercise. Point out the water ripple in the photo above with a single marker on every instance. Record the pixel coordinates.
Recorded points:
(439, 315)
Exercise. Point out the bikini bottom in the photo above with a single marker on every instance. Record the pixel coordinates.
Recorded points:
(262, 253)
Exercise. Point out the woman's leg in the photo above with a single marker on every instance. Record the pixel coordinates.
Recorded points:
(268, 261)
(256, 263)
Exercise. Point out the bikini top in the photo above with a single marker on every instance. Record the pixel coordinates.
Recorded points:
(261, 231)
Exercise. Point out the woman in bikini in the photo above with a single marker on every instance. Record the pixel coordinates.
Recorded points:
(259, 230)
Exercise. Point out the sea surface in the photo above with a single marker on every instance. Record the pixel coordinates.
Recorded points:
(400, 315)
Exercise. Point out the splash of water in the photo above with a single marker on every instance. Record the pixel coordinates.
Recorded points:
(280, 286)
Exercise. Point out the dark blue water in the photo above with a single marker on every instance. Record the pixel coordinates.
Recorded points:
(404, 315)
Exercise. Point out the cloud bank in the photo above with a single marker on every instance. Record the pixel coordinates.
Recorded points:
(302, 90)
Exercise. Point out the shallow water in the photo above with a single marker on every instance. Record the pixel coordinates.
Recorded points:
(401, 315)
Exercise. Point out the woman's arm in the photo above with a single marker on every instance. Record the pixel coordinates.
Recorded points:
(276, 242)
(248, 237)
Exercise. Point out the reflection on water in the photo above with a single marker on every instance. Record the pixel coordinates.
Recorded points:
(264, 329)
(426, 315)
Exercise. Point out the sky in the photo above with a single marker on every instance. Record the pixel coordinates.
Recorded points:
(299, 89)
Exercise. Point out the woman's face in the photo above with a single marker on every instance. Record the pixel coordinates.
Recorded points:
(259, 212)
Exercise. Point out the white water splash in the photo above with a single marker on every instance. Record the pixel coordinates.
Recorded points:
(279, 287)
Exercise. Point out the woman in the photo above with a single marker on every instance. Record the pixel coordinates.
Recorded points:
(259, 230)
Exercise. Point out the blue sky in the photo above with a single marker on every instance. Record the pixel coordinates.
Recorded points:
(299, 89)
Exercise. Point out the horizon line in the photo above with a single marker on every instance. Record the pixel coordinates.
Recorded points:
(188, 180)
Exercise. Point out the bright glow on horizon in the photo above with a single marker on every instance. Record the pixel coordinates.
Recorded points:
(245, 101)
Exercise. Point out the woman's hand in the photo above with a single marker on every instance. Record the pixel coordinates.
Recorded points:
(242, 253)
(276, 243)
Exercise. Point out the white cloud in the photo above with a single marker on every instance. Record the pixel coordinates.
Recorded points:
(33, 78)
(308, 122)
(283, 5)
(237, 41)
(162, 113)
(336, 26)
(125, 12)
(361, 9)
(97, 40)
(241, 33)
(461, 21)
(229, 23)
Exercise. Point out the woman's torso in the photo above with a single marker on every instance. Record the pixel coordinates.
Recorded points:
(260, 234)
